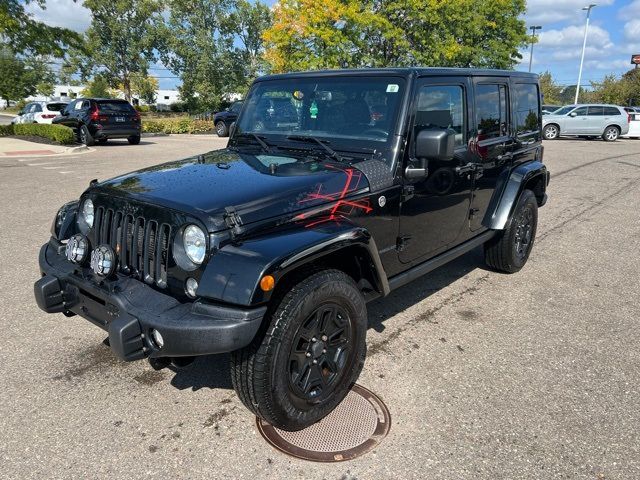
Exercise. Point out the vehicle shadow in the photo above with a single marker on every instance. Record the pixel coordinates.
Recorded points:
(422, 288)
(212, 371)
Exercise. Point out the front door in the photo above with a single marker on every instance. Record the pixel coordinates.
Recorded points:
(494, 142)
(577, 122)
(435, 209)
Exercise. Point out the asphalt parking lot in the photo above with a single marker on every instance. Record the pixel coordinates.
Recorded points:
(533, 375)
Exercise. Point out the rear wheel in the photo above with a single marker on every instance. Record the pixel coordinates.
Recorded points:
(221, 129)
(611, 134)
(134, 139)
(313, 349)
(510, 250)
(551, 132)
(85, 136)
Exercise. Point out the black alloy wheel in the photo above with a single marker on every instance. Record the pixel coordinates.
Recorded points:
(319, 352)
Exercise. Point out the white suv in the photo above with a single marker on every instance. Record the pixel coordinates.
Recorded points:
(39, 112)
(606, 121)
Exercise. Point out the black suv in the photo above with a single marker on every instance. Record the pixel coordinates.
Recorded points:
(271, 248)
(224, 119)
(99, 119)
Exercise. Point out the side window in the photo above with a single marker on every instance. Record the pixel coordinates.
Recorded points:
(595, 111)
(37, 108)
(491, 111)
(528, 108)
(442, 107)
(581, 112)
(78, 105)
(611, 111)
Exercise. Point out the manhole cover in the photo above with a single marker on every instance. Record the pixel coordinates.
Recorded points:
(355, 427)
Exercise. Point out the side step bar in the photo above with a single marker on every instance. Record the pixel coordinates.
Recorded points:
(435, 262)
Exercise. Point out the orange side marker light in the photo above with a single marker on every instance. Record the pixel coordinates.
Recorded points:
(267, 283)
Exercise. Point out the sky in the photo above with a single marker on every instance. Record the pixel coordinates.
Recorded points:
(614, 35)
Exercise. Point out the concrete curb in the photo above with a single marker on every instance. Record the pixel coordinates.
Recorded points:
(76, 150)
(150, 134)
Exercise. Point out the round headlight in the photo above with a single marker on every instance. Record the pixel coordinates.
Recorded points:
(77, 249)
(195, 244)
(86, 215)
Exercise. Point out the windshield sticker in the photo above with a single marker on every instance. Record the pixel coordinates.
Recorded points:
(393, 88)
(313, 110)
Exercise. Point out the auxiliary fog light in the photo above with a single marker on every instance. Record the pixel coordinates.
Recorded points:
(103, 261)
(77, 249)
(157, 338)
(191, 287)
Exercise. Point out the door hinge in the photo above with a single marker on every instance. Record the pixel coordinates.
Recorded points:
(402, 242)
(407, 192)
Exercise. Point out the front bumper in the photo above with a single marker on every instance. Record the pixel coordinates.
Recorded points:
(129, 310)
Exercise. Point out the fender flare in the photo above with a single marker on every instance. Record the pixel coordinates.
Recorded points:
(510, 186)
(234, 272)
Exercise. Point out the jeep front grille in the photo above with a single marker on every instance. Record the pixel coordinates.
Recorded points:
(142, 245)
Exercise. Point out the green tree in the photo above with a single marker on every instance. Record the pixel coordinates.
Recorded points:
(20, 78)
(307, 34)
(611, 90)
(145, 88)
(215, 47)
(26, 36)
(551, 92)
(97, 87)
(120, 43)
(248, 22)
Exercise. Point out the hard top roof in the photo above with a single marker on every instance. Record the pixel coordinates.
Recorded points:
(403, 72)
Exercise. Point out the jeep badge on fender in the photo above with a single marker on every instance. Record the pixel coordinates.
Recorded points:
(335, 188)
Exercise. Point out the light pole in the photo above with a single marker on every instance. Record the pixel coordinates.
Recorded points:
(584, 46)
(533, 29)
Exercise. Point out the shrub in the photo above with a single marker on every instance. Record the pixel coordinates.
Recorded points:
(6, 130)
(57, 133)
(177, 125)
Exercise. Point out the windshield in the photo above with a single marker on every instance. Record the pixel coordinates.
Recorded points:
(330, 108)
(564, 110)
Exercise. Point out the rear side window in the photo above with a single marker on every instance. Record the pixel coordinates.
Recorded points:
(528, 108)
(56, 107)
(595, 111)
(609, 111)
(491, 111)
(115, 107)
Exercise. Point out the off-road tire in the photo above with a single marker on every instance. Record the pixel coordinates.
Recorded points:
(134, 140)
(503, 253)
(261, 372)
(221, 129)
(85, 136)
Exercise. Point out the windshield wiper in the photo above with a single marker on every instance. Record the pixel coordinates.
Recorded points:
(309, 138)
(264, 145)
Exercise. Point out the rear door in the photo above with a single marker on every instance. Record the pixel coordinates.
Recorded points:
(494, 142)
(595, 119)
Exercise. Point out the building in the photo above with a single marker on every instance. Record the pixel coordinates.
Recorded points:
(164, 98)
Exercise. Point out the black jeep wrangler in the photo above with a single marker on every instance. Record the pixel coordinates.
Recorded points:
(336, 187)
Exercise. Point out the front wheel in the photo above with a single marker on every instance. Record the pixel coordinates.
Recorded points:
(611, 134)
(510, 250)
(312, 352)
(551, 132)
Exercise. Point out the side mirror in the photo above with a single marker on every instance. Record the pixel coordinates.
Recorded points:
(573, 114)
(436, 145)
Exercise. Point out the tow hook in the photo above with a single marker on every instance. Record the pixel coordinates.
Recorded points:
(175, 362)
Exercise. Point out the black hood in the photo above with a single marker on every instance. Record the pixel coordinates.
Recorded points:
(256, 186)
